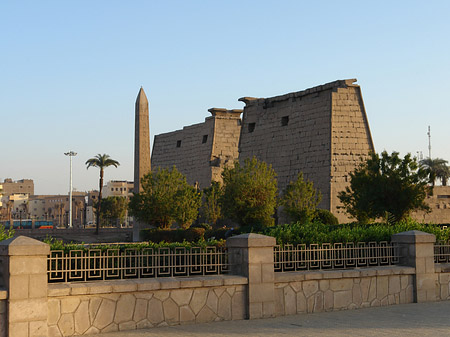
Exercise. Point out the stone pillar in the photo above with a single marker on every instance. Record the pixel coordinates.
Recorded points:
(24, 264)
(251, 255)
(417, 250)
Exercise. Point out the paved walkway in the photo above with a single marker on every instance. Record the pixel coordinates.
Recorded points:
(427, 319)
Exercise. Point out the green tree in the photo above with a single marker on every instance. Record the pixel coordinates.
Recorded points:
(186, 205)
(163, 196)
(300, 200)
(435, 169)
(113, 210)
(385, 186)
(212, 207)
(101, 161)
(250, 193)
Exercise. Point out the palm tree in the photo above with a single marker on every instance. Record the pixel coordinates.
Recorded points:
(101, 161)
(436, 168)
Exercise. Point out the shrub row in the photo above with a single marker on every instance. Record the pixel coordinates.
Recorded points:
(319, 233)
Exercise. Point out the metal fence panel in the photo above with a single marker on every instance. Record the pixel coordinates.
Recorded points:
(109, 264)
(334, 256)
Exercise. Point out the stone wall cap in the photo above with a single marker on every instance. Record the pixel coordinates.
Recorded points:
(251, 240)
(23, 245)
(413, 236)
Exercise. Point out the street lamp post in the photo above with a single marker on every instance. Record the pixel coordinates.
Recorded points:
(70, 154)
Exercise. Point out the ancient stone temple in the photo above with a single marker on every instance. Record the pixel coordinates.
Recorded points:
(200, 151)
(321, 131)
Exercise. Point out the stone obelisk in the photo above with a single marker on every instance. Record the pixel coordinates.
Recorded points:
(141, 140)
(142, 164)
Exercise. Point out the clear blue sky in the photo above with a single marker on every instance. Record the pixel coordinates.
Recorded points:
(70, 72)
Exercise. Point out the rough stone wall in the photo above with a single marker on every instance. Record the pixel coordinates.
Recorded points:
(91, 308)
(3, 302)
(439, 203)
(225, 151)
(443, 281)
(340, 290)
(200, 151)
(185, 150)
(351, 140)
(322, 132)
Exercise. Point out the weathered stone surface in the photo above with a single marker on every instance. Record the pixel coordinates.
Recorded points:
(161, 295)
(69, 304)
(318, 302)
(198, 300)
(186, 314)
(310, 287)
(356, 294)
(105, 314)
(53, 331)
(81, 317)
(38, 329)
(94, 304)
(127, 326)
(205, 315)
(341, 284)
(238, 305)
(19, 329)
(140, 312)
(328, 300)
(125, 308)
(290, 302)
(382, 287)
(111, 328)
(342, 299)
(324, 285)
(171, 314)
(155, 311)
(224, 307)
(181, 296)
(212, 301)
(394, 284)
(54, 311)
(66, 324)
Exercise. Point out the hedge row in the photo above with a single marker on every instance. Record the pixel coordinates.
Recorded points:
(319, 233)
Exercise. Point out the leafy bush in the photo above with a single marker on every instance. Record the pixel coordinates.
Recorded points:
(315, 232)
(172, 235)
(67, 247)
(6, 234)
(300, 199)
(385, 186)
(203, 225)
(165, 197)
(250, 193)
(326, 217)
(212, 206)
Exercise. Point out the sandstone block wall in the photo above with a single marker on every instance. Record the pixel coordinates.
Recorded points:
(351, 140)
(200, 151)
(322, 132)
(443, 282)
(93, 307)
(439, 204)
(307, 292)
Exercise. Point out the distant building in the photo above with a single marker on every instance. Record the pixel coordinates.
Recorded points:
(23, 186)
(56, 208)
(118, 188)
